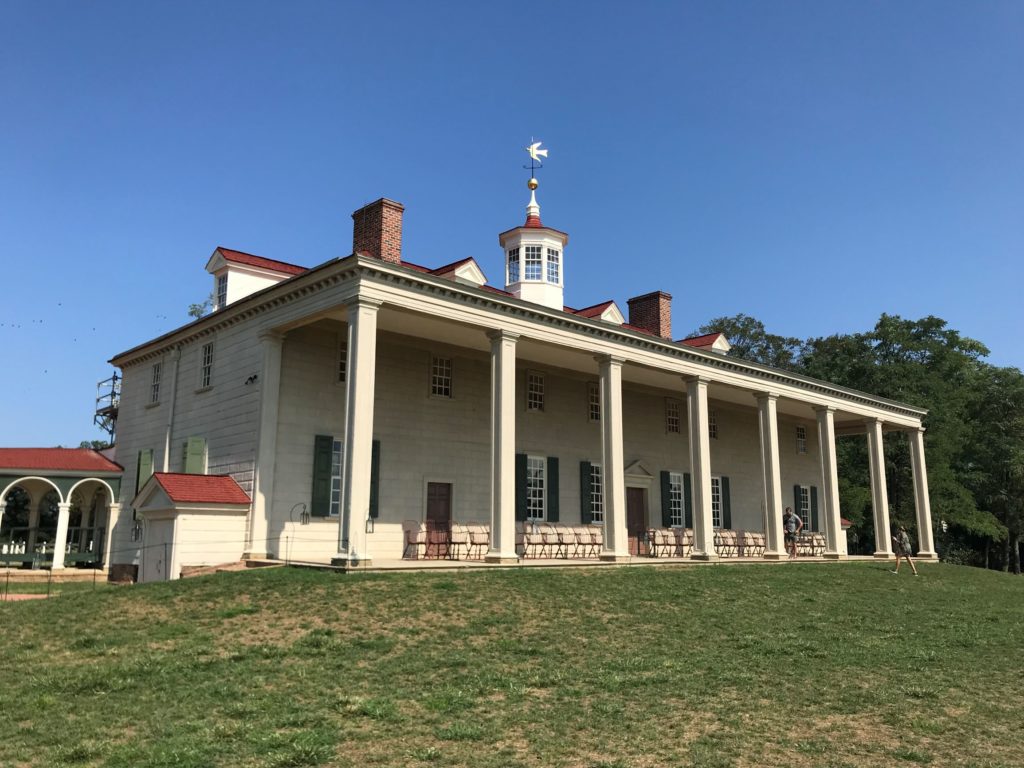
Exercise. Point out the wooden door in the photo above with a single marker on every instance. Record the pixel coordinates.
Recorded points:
(636, 518)
(439, 518)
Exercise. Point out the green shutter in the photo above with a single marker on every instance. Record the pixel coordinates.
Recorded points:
(726, 506)
(195, 456)
(520, 486)
(586, 513)
(796, 500)
(666, 499)
(143, 469)
(323, 449)
(687, 501)
(375, 480)
(552, 489)
(814, 508)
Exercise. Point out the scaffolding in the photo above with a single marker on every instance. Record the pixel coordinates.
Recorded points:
(108, 398)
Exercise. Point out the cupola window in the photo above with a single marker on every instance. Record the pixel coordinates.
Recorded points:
(513, 266)
(553, 266)
(533, 263)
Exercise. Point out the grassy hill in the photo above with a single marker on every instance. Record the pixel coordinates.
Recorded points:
(797, 665)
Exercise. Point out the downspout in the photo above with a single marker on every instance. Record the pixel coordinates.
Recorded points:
(175, 357)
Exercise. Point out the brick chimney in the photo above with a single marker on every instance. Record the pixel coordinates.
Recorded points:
(377, 230)
(652, 312)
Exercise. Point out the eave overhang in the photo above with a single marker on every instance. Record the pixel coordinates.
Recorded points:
(361, 267)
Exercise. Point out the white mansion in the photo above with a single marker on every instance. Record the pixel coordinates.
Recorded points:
(315, 411)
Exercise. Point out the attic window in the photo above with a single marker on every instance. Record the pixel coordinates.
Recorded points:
(533, 263)
(513, 265)
(553, 266)
(222, 291)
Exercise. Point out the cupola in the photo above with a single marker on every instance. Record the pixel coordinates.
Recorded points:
(534, 257)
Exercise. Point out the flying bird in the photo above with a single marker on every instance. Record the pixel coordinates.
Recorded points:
(536, 153)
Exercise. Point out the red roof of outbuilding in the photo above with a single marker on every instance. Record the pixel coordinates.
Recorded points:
(239, 257)
(201, 489)
(57, 459)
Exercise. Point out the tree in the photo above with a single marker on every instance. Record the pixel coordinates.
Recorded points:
(198, 310)
(750, 341)
(96, 445)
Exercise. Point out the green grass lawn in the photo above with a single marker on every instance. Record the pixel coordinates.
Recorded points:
(791, 665)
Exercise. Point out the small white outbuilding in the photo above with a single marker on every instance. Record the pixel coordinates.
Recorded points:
(189, 520)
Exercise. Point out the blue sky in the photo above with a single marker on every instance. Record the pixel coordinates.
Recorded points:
(812, 164)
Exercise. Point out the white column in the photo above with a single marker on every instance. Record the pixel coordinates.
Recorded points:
(925, 541)
(113, 512)
(257, 545)
(771, 474)
(879, 492)
(358, 451)
(503, 447)
(613, 468)
(700, 469)
(3, 508)
(829, 480)
(60, 541)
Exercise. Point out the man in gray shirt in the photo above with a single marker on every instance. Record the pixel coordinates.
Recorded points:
(792, 525)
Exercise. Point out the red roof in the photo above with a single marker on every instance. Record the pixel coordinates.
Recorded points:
(57, 459)
(201, 489)
(701, 341)
(594, 311)
(238, 257)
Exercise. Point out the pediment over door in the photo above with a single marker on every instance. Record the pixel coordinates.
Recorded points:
(638, 473)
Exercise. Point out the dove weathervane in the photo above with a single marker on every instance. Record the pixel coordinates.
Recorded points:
(536, 153)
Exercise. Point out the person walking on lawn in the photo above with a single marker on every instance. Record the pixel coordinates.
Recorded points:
(791, 524)
(901, 545)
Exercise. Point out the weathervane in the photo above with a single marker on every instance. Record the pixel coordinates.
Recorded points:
(536, 153)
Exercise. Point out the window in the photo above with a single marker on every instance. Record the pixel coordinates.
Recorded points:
(154, 387)
(672, 416)
(441, 376)
(342, 361)
(535, 487)
(532, 267)
(534, 391)
(513, 265)
(594, 398)
(675, 498)
(713, 425)
(553, 266)
(335, 478)
(206, 366)
(716, 502)
(596, 494)
(222, 291)
(801, 439)
(805, 506)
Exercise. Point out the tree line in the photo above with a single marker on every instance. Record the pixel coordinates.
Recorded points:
(974, 438)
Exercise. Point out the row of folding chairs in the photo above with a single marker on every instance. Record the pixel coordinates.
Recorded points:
(555, 540)
(810, 544)
(669, 542)
(454, 541)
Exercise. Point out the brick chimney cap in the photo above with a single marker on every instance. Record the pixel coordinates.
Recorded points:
(649, 295)
(383, 201)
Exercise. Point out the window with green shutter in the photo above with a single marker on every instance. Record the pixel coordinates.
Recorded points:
(688, 500)
(375, 480)
(320, 500)
(143, 468)
(726, 504)
(552, 489)
(586, 514)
